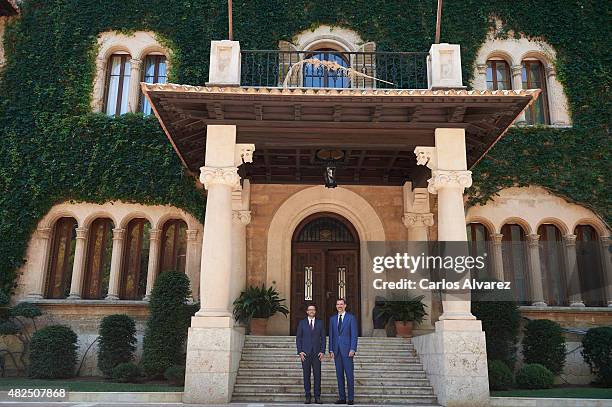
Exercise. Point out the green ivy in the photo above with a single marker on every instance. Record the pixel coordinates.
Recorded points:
(53, 149)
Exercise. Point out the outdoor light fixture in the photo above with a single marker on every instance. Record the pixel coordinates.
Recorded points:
(330, 158)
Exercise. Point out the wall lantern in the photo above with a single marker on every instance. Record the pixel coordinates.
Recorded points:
(329, 159)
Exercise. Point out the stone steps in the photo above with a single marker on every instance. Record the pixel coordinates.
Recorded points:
(387, 371)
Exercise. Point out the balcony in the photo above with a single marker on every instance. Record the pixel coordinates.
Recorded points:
(334, 69)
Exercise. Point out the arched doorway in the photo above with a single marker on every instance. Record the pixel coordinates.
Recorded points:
(325, 266)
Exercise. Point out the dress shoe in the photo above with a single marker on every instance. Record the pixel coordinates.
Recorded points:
(307, 401)
(350, 402)
(340, 401)
(318, 401)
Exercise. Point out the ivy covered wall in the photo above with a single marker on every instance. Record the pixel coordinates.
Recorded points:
(54, 149)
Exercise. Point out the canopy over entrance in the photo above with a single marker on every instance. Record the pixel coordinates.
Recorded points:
(375, 131)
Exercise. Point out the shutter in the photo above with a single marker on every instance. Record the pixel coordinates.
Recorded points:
(287, 56)
(365, 62)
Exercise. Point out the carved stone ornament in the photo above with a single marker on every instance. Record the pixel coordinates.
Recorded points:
(243, 217)
(425, 156)
(417, 219)
(226, 175)
(449, 179)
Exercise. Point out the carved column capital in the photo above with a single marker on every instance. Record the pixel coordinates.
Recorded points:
(43, 233)
(517, 70)
(192, 235)
(497, 238)
(570, 240)
(412, 220)
(426, 156)
(550, 71)
(135, 63)
(605, 241)
(154, 235)
(225, 175)
(533, 239)
(481, 69)
(81, 233)
(244, 153)
(243, 217)
(118, 233)
(449, 179)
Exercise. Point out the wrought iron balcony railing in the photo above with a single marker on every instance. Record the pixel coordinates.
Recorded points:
(334, 69)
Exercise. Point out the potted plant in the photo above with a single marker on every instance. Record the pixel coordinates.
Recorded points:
(406, 312)
(255, 305)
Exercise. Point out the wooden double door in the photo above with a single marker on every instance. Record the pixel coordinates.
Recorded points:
(325, 267)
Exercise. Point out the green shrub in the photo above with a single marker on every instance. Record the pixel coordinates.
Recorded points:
(175, 375)
(597, 352)
(501, 319)
(126, 373)
(26, 310)
(544, 343)
(53, 353)
(258, 302)
(167, 325)
(534, 376)
(500, 375)
(117, 342)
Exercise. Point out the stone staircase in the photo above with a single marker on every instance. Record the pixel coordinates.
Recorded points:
(387, 371)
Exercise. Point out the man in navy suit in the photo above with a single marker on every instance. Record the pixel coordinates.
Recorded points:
(310, 341)
(342, 348)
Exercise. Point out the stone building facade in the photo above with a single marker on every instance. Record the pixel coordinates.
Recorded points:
(112, 252)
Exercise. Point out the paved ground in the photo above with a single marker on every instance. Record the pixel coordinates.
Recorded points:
(52, 404)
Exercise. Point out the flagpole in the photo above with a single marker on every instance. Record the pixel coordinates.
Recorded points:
(229, 14)
(438, 22)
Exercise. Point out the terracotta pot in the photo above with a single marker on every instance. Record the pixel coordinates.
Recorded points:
(259, 326)
(404, 329)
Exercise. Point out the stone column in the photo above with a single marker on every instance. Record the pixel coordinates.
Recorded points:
(572, 276)
(535, 271)
(116, 258)
(517, 84)
(78, 266)
(153, 265)
(480, 79)
(192, 262)
(212, 335)
(607, 267)
(240, 220)
(418, 225)
(557, 105)
(44, 244)
(498, 260)
(454, 356)
(134, 88)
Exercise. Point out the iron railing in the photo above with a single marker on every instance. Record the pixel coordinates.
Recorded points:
(392, 70)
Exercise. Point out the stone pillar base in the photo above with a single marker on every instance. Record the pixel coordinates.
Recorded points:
(214, 347)
(379, 333)
(455, 360)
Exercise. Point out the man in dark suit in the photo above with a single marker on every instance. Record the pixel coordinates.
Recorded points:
(310, 341)
(342, 348)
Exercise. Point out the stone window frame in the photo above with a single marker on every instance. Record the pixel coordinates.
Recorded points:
(138, 45)
(327, 37)
(514, 51)
(33, 276)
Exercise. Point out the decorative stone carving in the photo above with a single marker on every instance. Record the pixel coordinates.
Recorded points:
(444, 66)
(533, 240)
(497, 238)
(43, 233)
(192, 235)
(224, 63)
(449, 179)
(211, 175)
(243, 217)
(425, 156)
(481, 69)
(570, 240)
(244, 153)
(418, 219)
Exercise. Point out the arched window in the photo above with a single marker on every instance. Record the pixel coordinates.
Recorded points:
(514, 255)
(533, 77)
(135, 260)
(552, 265)
(320, 76)
(154, 72)
(97, 271)
(478, 242)
(498, 75)
(62, 258)
(117, 84)
(588, 259)
(173, 246)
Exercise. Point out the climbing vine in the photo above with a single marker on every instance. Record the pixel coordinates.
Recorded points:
(54, 149)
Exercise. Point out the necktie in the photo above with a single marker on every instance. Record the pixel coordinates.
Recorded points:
(339, 323)
(311, 325)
